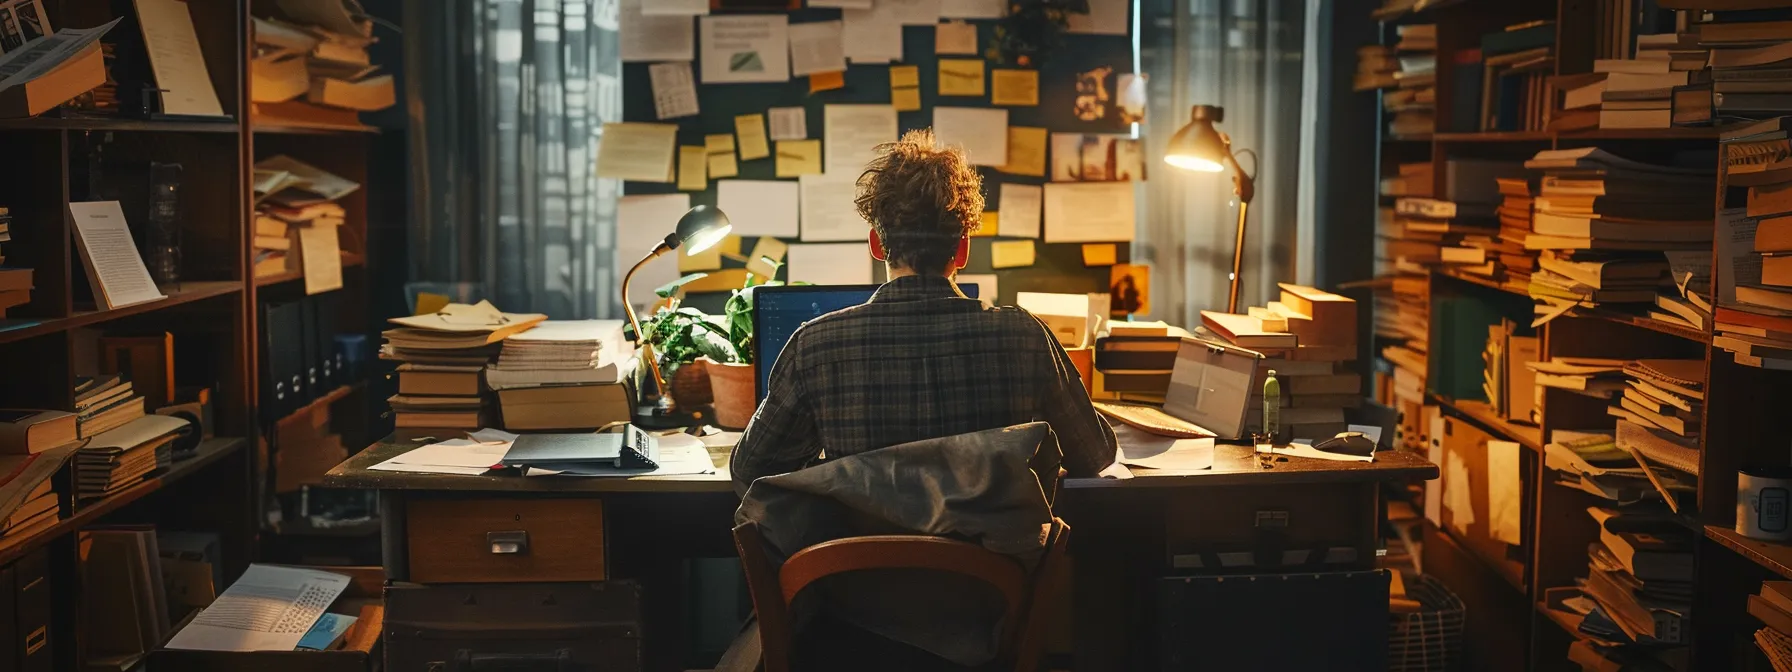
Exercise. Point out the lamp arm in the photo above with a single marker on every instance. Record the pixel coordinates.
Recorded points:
(1244, 185)
(653, 363)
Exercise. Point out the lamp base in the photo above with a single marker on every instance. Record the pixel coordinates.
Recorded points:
(658, 414)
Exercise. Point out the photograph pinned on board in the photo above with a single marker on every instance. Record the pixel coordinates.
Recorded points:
(1097, 157)
(1130, 98)
(1129, 287)
(1092, 94)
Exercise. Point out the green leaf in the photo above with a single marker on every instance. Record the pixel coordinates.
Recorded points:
(667, 290)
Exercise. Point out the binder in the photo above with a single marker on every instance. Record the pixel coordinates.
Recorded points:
(323, 337)
(1211, 386)
(309, 355)
(284, 358)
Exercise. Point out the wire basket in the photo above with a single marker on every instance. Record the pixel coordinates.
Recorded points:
(1430, 640)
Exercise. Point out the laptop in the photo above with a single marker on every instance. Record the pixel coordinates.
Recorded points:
(779, 310)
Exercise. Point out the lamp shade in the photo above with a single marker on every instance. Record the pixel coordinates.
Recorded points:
(1198, 145)
(700, 229)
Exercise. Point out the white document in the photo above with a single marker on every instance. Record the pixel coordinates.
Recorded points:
(1105, 17)
(320, 252)
(114, 268)
(1459, 492)
(745, 48)
(642, 222)
(644, 37)
(1737, 261)
(175, 57)
(956, 37)
(675, 7)
(1089, 212)
(872, 35)
(1304, 448)
(851, 134)
(986, 286)
(47, 53)
(674, 90)
(1139, 448)
(1018, 210)
(829, 213)
(851, 4)
(1505, 492)
(789, 123)
(454, 456)
(915, 12)
(973, 9)
(816, 47)
(760, 207)
(982, 132)
(830, 264)
(637, 151)
(1434, 452)
(268, 609)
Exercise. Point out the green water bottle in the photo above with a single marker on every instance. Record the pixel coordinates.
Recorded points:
(1272, 406)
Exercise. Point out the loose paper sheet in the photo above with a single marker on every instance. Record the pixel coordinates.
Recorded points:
(961, 77)
(956, 37)
(816, 47)
(1100, 254)
(1505, 492)
(268, 609)
(986, 286)
(642, 222)
(676, 7)
(1304, 448)
(905, 87)
(982, 132)
(674, 91)
(1459, 492)
(1014, 88)
(114, 268)
(750, 129)
(872, 35)
(852, 134)
(972, 9)
(789, 123)
(320, 251)
(1089, 212)
(175, 57)
(637, 151)
(1738, 264)
(693, 168)
(745, 48)
(1011, 253)
(759, 207)
(1020, 206)
(797, 158)
(829, 213)
(767, 254)
(1105, 17)
(454, 456)
(830, 264)
(1139, 448)
(653, 38)
(915, 12)
(1026, 151)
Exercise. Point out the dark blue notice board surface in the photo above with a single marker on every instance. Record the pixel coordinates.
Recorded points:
(1058, 268)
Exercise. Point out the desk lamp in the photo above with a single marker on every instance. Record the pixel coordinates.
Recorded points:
(1199, 147)
(698, 230)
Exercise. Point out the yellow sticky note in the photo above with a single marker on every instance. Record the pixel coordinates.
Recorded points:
(1011, 253)
(428, 303)
(961, 77)
(799, 157)
(1026, 151)
(1101, 254)
(693, 168)
(750, 128)
(723, 165)
(766, 255)
(707, 260)
(730, 247)
(905, 87)
(987, 227)
(718, 143)
(1014, 87)
(826, 81)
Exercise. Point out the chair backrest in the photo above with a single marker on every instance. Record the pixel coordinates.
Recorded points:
(1024, 593)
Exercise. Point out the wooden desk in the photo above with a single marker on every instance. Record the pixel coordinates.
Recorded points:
(1125, 532)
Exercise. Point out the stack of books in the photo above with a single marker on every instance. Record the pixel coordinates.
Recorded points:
(1133, 361)
(1589, 376)
(290, 197)
(1773, 607)
(1658, 413)
(123, 457)
(1592, 462)
(1403, 355)
(564, 375)
(1414, 101)
(104, 403)
(1506, 379)
(323, 67)
(1515, 76)
(1755, 319)
(1640, 581)
(1309, 340)
(15, 283)
(1518, 199)
(1376, 66)
(34, 445)
(1630, 92)
(446, 346)
(1748, 76)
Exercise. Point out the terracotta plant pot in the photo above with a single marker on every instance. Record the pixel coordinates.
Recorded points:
(733, 386)
(690, 386)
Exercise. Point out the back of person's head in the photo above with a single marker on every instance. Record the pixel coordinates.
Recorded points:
(921, 200)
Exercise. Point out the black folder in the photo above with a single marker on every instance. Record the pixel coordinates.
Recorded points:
(323, 340)
(308, 353)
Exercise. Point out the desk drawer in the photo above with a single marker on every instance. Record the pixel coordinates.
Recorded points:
(498, 540)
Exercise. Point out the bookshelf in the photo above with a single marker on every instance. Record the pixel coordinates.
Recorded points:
(213, 313)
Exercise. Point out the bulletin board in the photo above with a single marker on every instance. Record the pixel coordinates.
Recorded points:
(1058, 267)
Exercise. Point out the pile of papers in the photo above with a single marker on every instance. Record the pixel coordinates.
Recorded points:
(1664, 398)
(458, 335)
(296, 209)
(123, 457)
(318, 55)
(677, 454)
(564, 375)
(1591, 376)
(1639, 581)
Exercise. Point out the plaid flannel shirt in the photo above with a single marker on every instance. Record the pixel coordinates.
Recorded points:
(919, 361)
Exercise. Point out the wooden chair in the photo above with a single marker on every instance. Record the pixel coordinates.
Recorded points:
(1025, 594)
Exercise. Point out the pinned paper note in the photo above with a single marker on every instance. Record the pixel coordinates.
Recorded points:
(766, 256)
(1101, 254)
(799, 157)
(716, 143)
(829, 213)
(721, 155)
(826, 81)
(986, 286)
(852, 133)
(961, 77)
(981, 132)
(956, 37)
(707, 260)
(915, 12)
(637, 151)
(1505, 492)
(830, 264)
(1129, 288)
(816, 47)
(730, 248)
(1011, 253)
(973, 9)
(693, 168)
(645, 37)
(1105, 17)
(759, 207)
(1020, 207)
(1026, 151)
(750, 130)
(1089, 212)
(745, 48)
(789, 123)
(641, 223)
(1016, 88)
(674, 91)
(905, 87)
(874, 34)
(987, 226)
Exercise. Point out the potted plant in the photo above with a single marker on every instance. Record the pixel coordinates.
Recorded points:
(681, 337)
(733, 379)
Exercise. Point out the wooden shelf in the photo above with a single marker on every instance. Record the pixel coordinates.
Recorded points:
(1775, 556)
(1489, 283)
(1423, 137)
(188, 293)
(208, 452)
(302, 128)
(1641, 322)
(1589, 134)
(1492, 136)
(1482, 413)
(117, 124)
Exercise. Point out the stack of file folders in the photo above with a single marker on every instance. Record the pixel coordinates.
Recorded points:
(123, 457)
(459, 336)
(564, 375)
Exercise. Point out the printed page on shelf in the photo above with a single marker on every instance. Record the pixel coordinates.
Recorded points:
(320, 250)
(114, 267)
(268, 609)
(174, 55)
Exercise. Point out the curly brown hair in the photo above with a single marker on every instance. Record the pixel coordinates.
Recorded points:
(921, 199)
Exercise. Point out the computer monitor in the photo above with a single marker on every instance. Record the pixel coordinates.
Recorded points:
(778, 311)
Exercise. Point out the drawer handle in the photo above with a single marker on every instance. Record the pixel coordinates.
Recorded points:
(515, 542)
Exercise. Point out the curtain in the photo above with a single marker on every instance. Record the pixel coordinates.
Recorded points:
(508, 115)
(1245, 56)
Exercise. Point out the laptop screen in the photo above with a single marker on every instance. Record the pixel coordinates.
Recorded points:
(778, 311)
